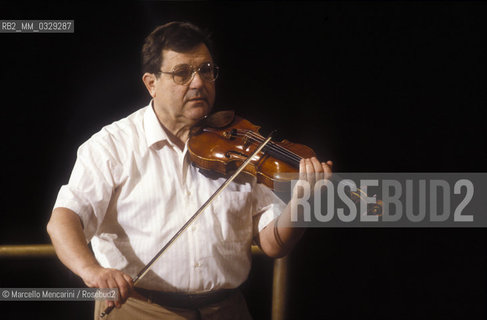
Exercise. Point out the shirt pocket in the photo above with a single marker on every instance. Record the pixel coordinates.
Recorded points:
(232, 217)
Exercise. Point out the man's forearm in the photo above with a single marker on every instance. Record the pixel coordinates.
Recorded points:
(279, 237)
(69, 241)
(67, 236)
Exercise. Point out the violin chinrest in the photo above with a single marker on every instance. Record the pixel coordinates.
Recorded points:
(216, 120)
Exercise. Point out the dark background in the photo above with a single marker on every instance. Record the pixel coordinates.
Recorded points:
(373, 86)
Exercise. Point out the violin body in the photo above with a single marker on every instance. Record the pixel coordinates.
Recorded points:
(223, 145)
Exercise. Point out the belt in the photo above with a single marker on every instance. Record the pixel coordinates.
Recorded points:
(184, 300)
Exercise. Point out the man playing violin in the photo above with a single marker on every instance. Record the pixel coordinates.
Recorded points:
(133, 186)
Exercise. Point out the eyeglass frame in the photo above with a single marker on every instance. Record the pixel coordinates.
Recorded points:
(194, 71)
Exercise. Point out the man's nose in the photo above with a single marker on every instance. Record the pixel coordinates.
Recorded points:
(196, 80)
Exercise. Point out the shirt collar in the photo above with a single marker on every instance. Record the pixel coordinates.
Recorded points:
(154, 132)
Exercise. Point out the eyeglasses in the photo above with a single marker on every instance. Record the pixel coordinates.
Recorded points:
(184, 73)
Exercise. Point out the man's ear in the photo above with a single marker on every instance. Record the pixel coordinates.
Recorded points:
(149, 80)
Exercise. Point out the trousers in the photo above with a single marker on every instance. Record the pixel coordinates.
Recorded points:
(232, 308)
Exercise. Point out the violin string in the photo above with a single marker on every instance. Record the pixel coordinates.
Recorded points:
(274, 147)
(277, 147)
(284, 152)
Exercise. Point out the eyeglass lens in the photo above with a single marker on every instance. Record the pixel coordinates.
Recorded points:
(182, 73)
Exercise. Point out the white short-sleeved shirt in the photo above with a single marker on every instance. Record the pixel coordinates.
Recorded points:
(133, 189)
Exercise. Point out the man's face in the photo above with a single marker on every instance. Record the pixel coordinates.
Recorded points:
(189, 102)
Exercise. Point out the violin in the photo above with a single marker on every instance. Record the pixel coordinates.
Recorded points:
(223, 141)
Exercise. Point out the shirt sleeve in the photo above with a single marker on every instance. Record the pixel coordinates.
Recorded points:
(90, 186)
(268, 206)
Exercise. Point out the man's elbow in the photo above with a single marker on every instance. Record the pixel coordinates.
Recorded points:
(274, 252)
(61, 218)
(51, 227)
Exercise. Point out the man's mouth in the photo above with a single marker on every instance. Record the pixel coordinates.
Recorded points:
(196, 96)
(198, 99)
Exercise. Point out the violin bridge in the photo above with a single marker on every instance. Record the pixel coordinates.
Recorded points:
(229, 154)
(246, 142)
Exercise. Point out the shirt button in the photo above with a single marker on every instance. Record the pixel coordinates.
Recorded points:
(188, 193)
(197, 265)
